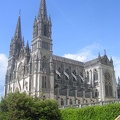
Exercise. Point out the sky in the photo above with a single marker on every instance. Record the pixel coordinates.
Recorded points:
(80, 28)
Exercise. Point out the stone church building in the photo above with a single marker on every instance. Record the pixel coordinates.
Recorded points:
(36, 71)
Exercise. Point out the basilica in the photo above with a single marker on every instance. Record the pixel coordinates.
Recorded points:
(39, 73)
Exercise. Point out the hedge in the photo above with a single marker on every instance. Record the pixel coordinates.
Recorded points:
(107, 112)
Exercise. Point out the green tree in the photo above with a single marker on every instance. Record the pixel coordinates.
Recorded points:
(19, 106)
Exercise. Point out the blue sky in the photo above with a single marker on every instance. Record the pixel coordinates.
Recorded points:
(81, 28)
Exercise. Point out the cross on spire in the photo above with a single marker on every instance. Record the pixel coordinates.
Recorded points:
(20, 12)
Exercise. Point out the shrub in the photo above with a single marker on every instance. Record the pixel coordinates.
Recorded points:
(19, 106)
(108, 112)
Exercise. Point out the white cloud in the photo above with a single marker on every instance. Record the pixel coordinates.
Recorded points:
(3, 66)
(88, 53)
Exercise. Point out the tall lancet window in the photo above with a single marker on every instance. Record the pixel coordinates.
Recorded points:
(87, 76)
(62, 102)
(44, 64)
(45, 30)
(95, 75)
(35, 32)
(44, 85)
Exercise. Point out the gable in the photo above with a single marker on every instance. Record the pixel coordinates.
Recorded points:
(105, 60)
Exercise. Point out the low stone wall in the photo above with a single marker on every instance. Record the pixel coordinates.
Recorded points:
(91, 104)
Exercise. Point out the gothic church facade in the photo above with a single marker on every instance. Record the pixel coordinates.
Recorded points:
(39, 73)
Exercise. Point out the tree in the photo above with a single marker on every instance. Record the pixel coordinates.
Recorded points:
(19, 106)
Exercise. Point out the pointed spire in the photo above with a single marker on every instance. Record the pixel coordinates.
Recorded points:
(18, 29)
(27, 50)
(35, 22)
(104, 52)
(27, 45)
(42, 11)
(111, 60)
(99, 56)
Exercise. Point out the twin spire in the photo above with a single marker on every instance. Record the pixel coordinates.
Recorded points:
(41, 14)
(38, 30)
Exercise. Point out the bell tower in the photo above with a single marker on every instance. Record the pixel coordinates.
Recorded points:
(15, 47)
(42, 52)
(42, 30)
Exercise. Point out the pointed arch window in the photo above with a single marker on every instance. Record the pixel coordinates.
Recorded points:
(35, 32)
(95, 75)
(45, 30)
(108, 85)
(108, 90)
(44, 85)
(62, 102)
(44, 63)
(87, 75)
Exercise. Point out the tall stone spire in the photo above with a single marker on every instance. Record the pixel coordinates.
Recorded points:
(27, 46)
(42, 11)
(17, 40)
(18, 34)
(42, 25)
(27, 53)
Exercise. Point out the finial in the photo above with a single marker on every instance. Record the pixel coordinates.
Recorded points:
(20, 12)
(104, 52)
(99, 55)
(111, 60)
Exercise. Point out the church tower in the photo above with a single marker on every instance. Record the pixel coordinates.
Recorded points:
(42, 30)
(42, 52)
(15, 47)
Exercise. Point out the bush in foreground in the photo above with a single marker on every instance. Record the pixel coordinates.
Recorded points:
(19, 106)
